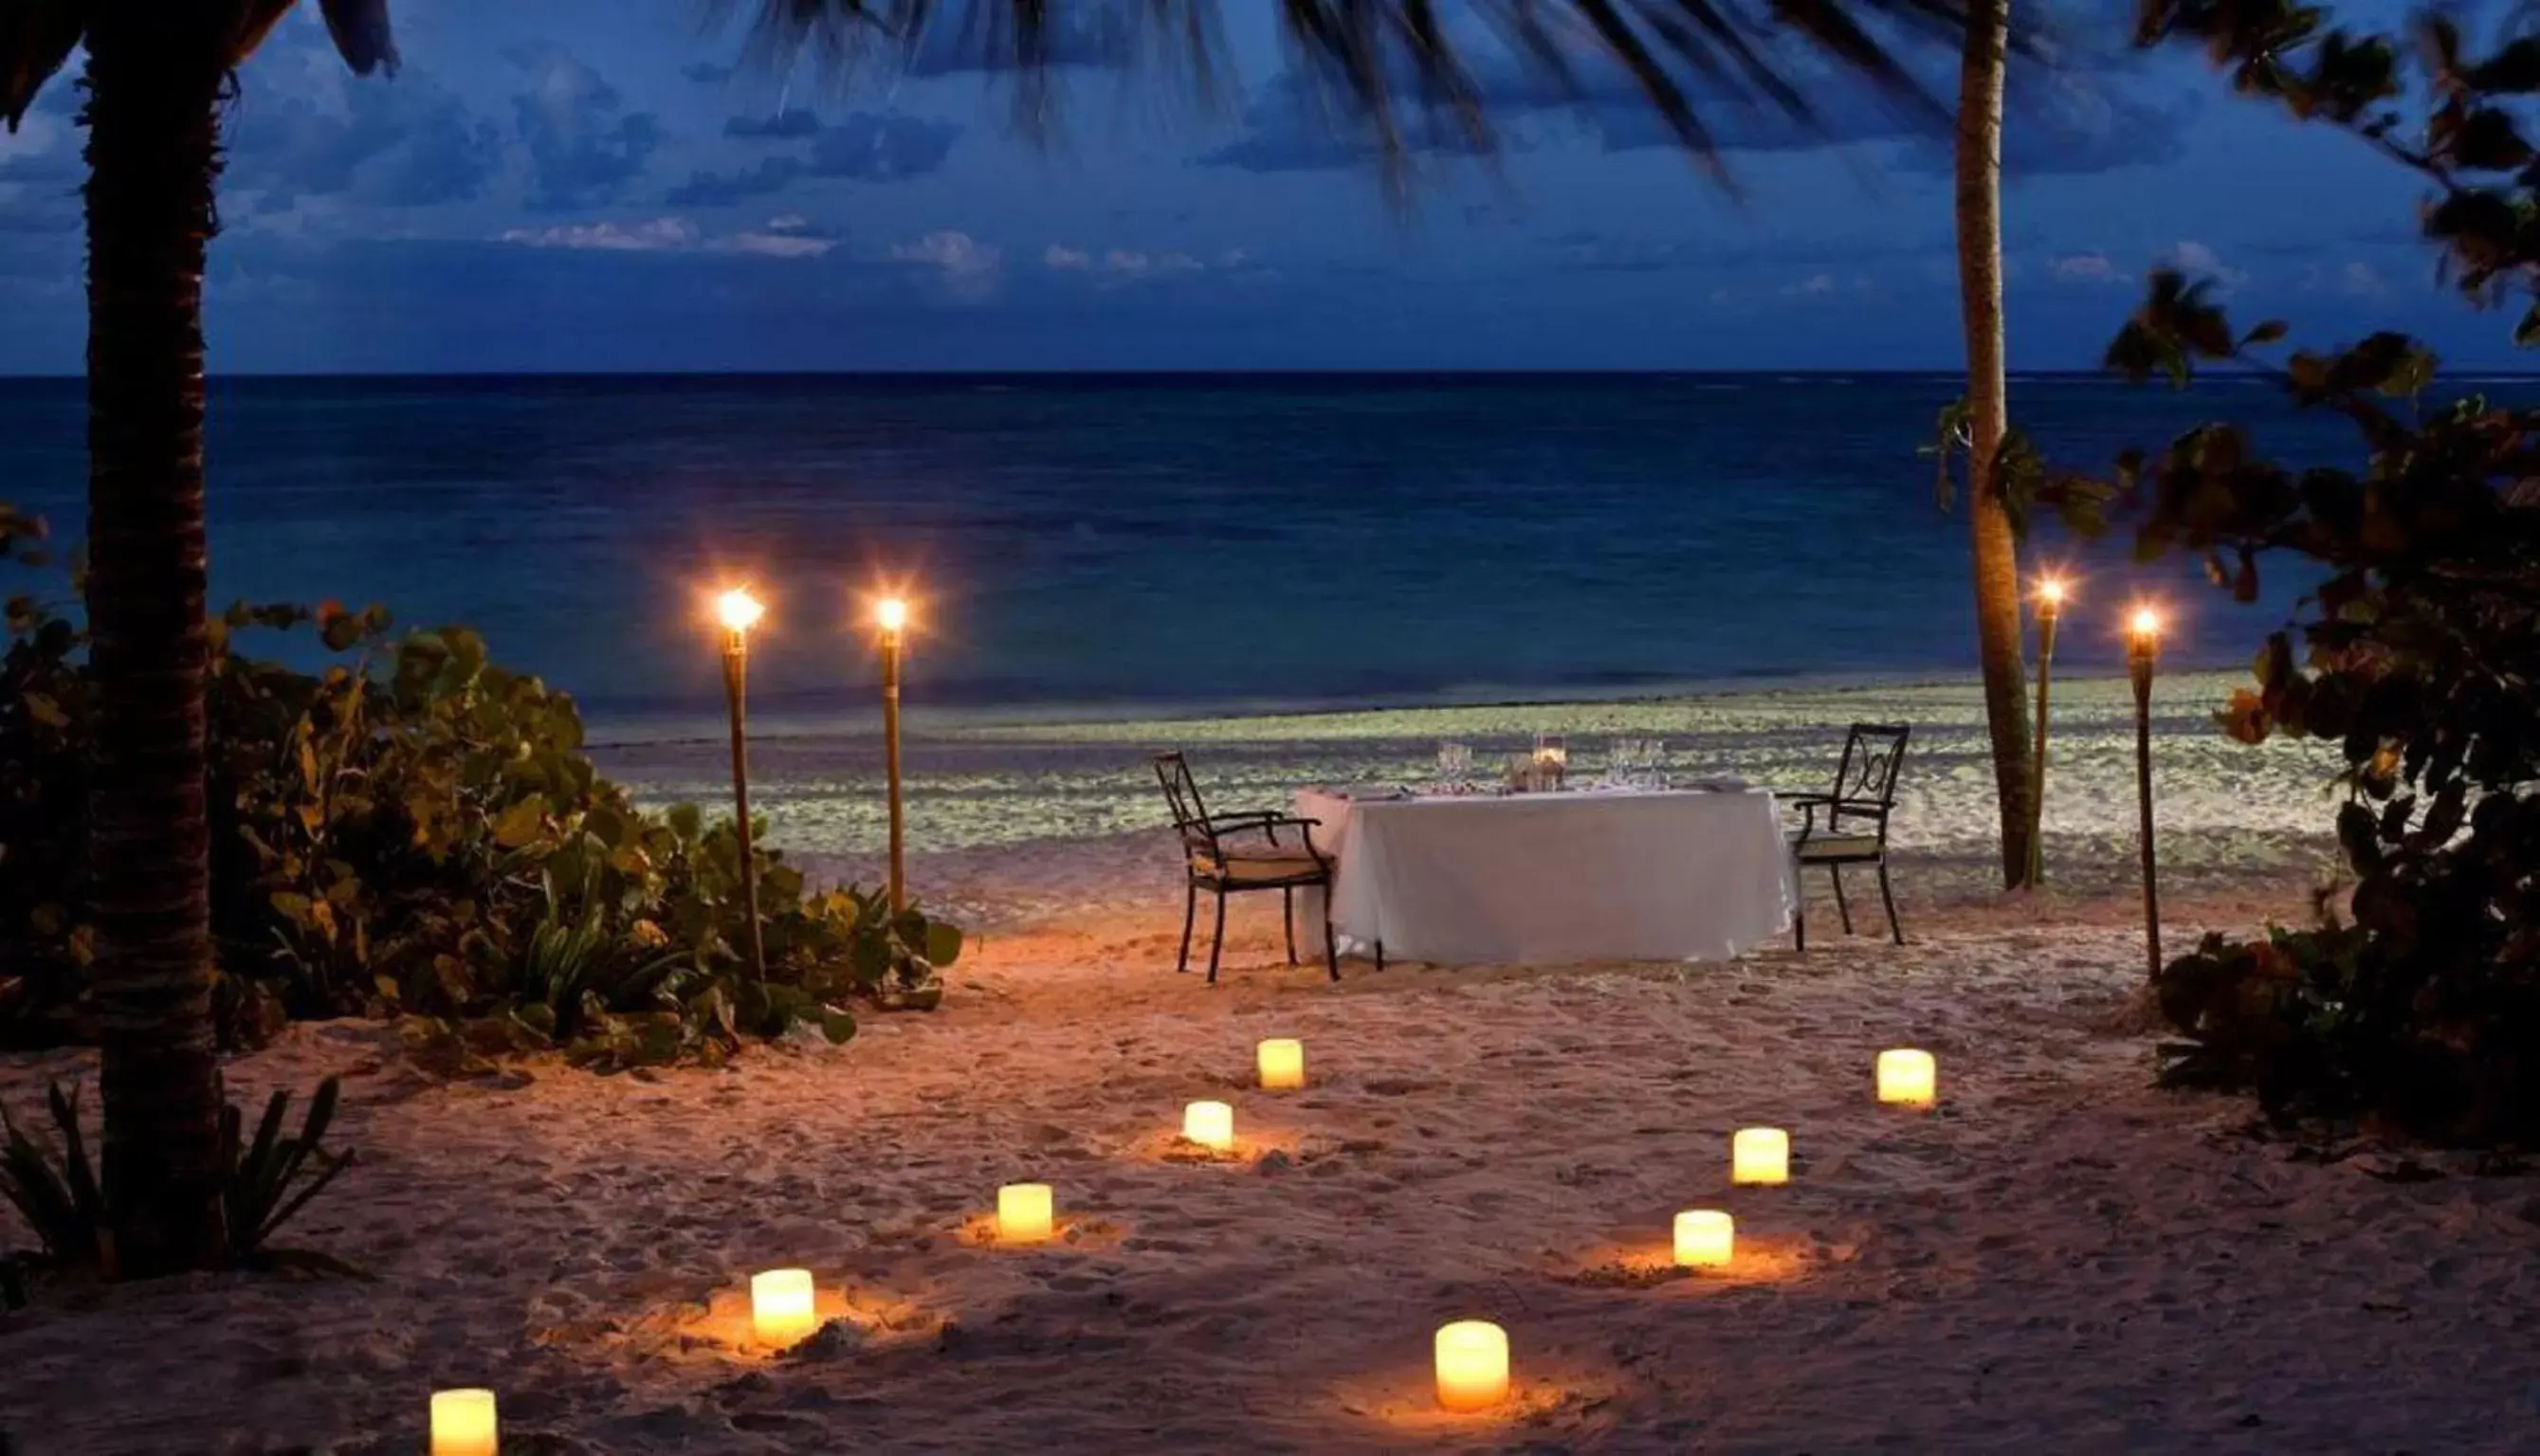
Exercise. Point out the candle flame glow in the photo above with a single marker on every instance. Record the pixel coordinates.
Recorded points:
(2051, 591)
(739, 610)
(2145, 623)
(892, 613)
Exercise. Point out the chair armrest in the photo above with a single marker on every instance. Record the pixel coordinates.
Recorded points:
(1271, 824)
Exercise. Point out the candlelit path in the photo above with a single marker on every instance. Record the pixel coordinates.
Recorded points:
(2060, 1259)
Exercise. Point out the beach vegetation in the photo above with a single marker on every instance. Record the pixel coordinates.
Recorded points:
(412, 831)
(64, 1197)
(2417, 1002)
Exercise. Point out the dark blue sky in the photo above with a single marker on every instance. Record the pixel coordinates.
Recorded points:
(590, 185)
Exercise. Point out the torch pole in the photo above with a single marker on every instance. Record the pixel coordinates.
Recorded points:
(890, 768)
(2139, 663)
(2047, 615)
(736, 672)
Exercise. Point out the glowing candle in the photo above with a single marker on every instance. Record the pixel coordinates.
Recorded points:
(1472, 1365)
(1907, 1078)
(1759, 1155)
(1023, 1213)
(780, 1306)
(1704, 1238)
(1282, 1063)
(1210, 1125)
(462, 1422)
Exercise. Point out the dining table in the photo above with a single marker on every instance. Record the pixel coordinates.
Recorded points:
(1550, 878)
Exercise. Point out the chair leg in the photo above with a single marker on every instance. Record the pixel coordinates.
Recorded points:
(1331, 944)
(1216, 945)
(1799, 906)
(1190, 913)
(1380, 955)
(1890, 895)
(1841, 905)
(1288, 919)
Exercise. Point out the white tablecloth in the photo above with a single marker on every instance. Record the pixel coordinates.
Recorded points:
(1552, 878)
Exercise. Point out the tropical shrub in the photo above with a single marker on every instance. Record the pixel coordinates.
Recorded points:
(2419, 650)
(414, 831)
(62, 1195)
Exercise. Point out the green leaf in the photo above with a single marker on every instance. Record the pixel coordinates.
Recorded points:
(943, 943)
(522, 824)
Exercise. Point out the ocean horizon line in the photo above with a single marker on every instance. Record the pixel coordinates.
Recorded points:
(1165, 377)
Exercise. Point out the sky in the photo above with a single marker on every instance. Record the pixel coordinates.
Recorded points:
(614, 185)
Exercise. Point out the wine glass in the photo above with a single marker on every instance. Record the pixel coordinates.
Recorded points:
(1455, 765)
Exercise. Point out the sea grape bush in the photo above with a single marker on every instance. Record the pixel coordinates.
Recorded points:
(414, 831)
(2418, 652)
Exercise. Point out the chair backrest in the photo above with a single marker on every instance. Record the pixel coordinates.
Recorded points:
(1873, 756)
(1181, 795)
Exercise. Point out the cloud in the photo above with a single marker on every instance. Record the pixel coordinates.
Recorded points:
(2084, 267)
(2355, 279)
(659, 235)
(1127, 266)
(950, 249)
(885, 146)
(793, 123)
(967, 268)
(771, 176)
(582, 147)
(2198, 260)
(311, 129)
(789, 235)
(1285, 131)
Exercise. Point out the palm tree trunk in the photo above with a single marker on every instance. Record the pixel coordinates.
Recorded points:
(1996, 550)
(155, 74)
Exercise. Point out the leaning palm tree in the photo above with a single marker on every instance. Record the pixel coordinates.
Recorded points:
(157, 73)
(1984, 54)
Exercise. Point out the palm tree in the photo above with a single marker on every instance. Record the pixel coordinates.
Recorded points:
(1978, 166)
(157, 73)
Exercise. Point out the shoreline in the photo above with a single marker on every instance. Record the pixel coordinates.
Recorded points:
(605, 728)
(1022, 824)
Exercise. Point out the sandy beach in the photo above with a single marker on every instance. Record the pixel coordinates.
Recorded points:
(2060, 1256)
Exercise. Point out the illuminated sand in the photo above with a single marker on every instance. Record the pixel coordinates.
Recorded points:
(2058, 1258)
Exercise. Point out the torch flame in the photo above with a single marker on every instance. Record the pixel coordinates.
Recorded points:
(739, 610)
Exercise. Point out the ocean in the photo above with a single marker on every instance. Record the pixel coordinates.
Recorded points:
(1097, 545)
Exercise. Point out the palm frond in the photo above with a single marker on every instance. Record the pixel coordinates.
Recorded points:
(36, 38)
(359, 29)
(1405, 71)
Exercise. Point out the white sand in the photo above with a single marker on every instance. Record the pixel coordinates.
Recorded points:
(2060, 1259)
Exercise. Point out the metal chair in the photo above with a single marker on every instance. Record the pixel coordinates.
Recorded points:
(1221, 855)
(1865, 793)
